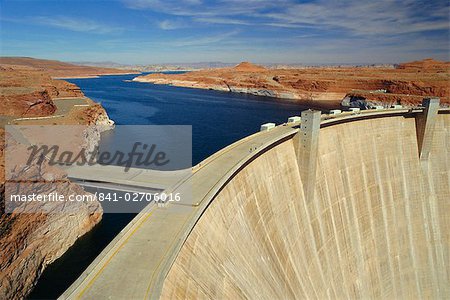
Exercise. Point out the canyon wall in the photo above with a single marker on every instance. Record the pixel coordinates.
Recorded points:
(376, 227)
(30, 241)
(34, 234)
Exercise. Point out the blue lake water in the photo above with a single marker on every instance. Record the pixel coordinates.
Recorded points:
(217, 118)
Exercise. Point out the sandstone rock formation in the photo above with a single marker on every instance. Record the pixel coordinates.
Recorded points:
(31, 241)
(28, 92)
(407, 84)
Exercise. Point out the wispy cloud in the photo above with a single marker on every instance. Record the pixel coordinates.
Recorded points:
(200, 9)
(220, 20)
(73, 24)
(367, 17)
(354, 16)
(205, 40)
(171, 24)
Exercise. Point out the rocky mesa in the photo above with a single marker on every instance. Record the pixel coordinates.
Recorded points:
(404, 84)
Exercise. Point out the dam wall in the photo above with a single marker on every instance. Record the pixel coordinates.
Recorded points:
(376, 225)
(369, 219)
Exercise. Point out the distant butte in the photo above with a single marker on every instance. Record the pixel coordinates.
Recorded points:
(428, 64)
(248, 67)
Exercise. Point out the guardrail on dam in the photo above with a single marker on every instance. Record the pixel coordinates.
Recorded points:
(350, 206)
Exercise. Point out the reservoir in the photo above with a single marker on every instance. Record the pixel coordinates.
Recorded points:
(217, 118)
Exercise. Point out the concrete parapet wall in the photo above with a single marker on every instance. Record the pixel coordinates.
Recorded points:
(378, 225)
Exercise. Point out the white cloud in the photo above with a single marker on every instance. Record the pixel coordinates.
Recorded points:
(73, 24)
(366, 17)
(353, 16)
(206, 40)
(195, 8)
(171, 24)
(220, 20)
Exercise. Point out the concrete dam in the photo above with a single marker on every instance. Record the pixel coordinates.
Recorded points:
(349, 206)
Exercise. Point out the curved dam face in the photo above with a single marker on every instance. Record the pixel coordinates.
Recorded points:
(374, 223)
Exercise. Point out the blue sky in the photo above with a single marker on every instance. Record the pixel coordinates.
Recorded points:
(261, 31)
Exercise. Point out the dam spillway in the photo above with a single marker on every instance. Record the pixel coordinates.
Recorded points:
(371, 222)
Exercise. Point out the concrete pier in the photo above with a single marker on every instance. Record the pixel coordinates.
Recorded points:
(425, 126)
(308, 150)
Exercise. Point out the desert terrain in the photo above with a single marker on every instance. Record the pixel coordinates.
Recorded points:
(404, 84)
(58, 69)
(27, 92)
